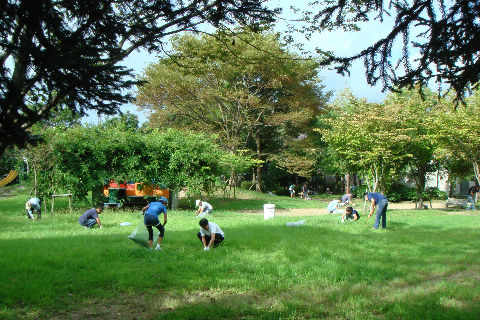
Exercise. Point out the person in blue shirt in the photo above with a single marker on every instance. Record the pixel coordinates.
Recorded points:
(380, 201)
(90, 217)
(150, 220)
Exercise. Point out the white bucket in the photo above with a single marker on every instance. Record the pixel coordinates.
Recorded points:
(268, 211)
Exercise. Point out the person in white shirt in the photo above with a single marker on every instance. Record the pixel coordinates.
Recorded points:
(203, 208)
(32, 206)
(210, 234)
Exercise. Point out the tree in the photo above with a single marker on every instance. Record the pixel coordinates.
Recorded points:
(445, 33)
(458, 134)
(69, 53)
(413, 114)
(366, 137)
(244, 86)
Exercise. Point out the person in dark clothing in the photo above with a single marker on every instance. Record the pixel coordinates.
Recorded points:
(350, 214)
(380, 201)
(90, 217)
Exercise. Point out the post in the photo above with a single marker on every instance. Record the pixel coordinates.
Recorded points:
(70, 201)
(53, 203)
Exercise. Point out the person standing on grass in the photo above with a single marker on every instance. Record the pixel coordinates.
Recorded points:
(292, 190)
(32, 206)
(380, 201)
(350, 214)
(90, 217)
(210, 234)
(150, 220)
(203, 208)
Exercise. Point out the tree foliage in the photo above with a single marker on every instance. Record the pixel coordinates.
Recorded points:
(445, 34)
(244, 86)
(69, 53)
(458, 134)
(365, 138)
(70, 161)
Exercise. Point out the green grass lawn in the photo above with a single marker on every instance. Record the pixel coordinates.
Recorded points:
(426, 265)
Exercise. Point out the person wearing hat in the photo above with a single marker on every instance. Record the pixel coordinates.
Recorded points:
(210, 234)
(32, 206)
(203, 208)
(150, 220)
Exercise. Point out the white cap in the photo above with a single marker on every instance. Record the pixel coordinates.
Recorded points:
(197, 203)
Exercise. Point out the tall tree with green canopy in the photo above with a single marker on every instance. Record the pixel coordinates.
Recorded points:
(244, 86)
(366, 137)
(69, 53)
(458, 132)
(413, 113)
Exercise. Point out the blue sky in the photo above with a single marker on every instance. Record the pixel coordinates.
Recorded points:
(340, 42)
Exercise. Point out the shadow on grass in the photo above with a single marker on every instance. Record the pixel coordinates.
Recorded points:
(263, 269)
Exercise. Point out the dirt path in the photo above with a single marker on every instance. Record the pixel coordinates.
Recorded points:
(437, 205)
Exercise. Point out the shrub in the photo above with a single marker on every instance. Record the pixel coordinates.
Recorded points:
(245, 185)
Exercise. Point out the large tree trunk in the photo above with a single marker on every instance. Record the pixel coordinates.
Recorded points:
(258, 185)
(420, 187)
(347, 183)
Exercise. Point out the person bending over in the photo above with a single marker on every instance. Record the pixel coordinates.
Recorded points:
(203, 208)
(380, 201)
(32, 206)
(90, 217)
(210, 234)
(150, 220)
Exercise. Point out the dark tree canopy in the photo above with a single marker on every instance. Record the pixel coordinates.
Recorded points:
(68, 53)
(446, 34)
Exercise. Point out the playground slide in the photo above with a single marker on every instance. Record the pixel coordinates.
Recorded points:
(11, 175)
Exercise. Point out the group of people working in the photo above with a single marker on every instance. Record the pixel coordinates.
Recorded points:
(303, 193)
(376, 200)
(210, 233)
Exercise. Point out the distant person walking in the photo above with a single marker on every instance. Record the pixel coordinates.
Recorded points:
(210, 234)
(380, 201)
(150, 220)
(90, 217)
(32, 206)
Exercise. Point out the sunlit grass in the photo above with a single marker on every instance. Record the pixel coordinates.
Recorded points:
(424, 266)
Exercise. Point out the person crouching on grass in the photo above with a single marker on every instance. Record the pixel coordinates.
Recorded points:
(151, 212)
(90, 217)
(350, 214)
(210, 234)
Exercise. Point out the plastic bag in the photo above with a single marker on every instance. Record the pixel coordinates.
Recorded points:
(296, 224)
(140, 234)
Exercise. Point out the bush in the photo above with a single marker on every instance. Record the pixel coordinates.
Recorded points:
(399, 192)
(358, 192)
(436, 194)
(245, 185)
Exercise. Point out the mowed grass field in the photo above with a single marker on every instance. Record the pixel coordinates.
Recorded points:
(425, 265)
